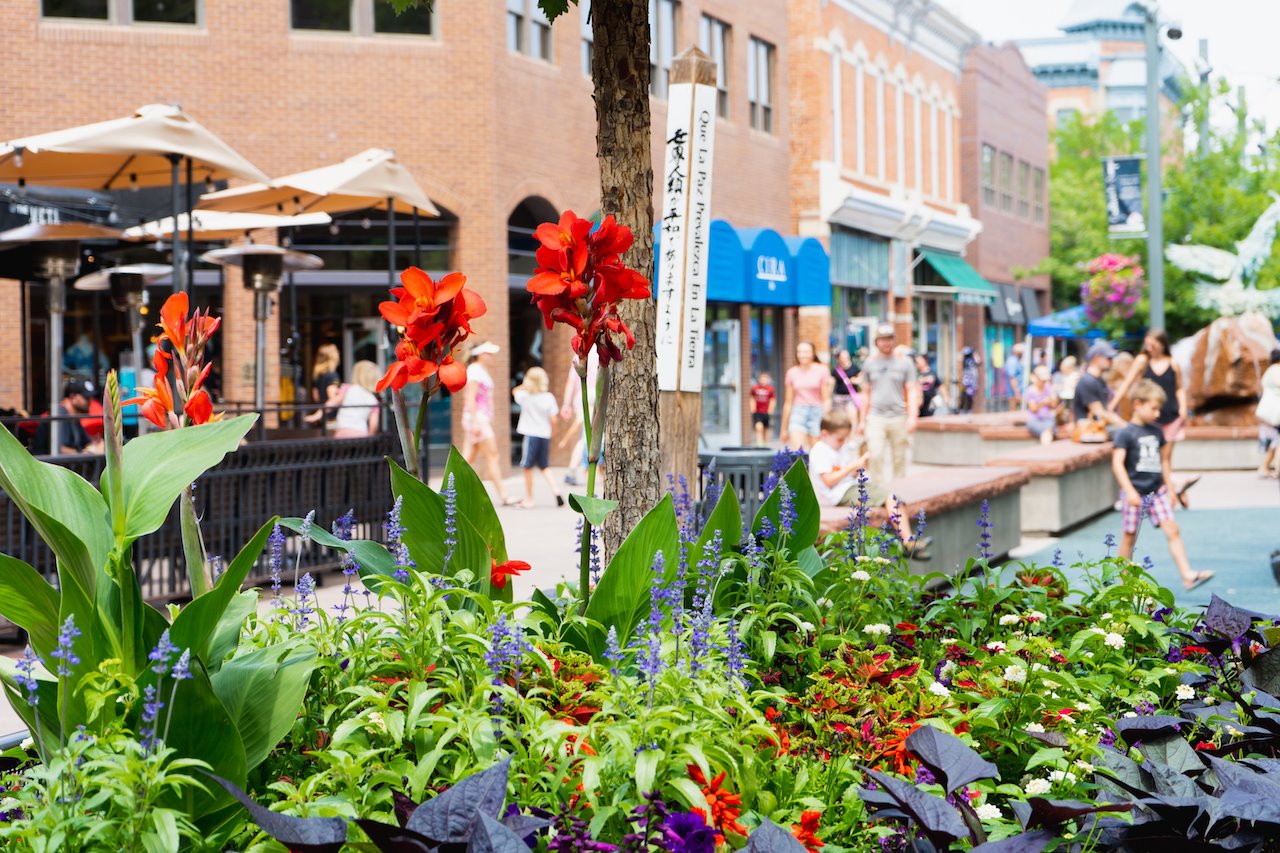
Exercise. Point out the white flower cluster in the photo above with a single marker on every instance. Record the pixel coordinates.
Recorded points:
(1037, 786)
(939, 689)
(1185, 692)
(1015, 673)
(1061, 776)
(1113, 640)
(986, 811)
(995, 647)
(1010, 619)
(1034, 616)
(860, 575)
(1034, 727)
(876, 628)
(1084, 765)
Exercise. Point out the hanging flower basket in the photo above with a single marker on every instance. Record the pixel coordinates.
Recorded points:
(1113, 288)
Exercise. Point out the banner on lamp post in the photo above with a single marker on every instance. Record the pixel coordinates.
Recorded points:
(1122, 179)
(685, 229)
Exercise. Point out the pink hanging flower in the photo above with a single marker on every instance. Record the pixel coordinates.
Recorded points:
(1113, 288)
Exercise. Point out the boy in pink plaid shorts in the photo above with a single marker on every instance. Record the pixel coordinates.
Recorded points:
(1141, 464)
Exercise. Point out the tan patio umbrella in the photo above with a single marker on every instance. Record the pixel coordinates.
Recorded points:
(219, 225)
(372, 178)
(56, 256)
(144, 149)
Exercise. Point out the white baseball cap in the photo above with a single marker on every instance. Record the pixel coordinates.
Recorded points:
(485, 348)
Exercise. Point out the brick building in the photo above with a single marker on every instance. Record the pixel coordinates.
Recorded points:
(487, 105)
(877, 169)
(1004, 145)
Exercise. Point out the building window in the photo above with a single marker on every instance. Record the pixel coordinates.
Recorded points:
(988, 175)
(760, 84)
(1037, 193)
(540, 43)
(713, 39)
(1064, 115)
(85, 9)
(588, 37)
(326, 15)
(356, 17)
(414, 21)
(1024, 189)
(1006, 182)
(515, 26)
(124, 12)
(663, 37)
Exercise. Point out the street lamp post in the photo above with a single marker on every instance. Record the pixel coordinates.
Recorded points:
(1155, 200)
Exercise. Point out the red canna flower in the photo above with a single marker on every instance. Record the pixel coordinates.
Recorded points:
(498, 573)
(725, 807)
(806, 831)
(435, 318)
(180, 344)
(581, 280)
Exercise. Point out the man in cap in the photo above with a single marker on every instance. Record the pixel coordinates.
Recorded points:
(72, 436)
(1092, 393)
(895, 404)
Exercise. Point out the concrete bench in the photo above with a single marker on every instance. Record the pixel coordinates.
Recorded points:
(971, 439)
(952, 502)
(1070, 483)
(1217, 448)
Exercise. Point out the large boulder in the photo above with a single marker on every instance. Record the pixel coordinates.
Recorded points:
(1226, 362)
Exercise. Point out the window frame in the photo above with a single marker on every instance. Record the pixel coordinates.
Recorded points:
(664, 16)
(363, 24)
(761, 109)
(1039, 192)
(588, 45)
(1006, 181)
(715, 33)
(120, 14)
(988, 165)
(1024, 189)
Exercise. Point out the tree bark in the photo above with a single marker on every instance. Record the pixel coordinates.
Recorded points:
(624, 130)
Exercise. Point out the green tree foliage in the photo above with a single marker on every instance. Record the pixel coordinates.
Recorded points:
(1213, 194)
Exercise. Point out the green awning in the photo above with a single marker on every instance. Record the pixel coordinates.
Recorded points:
(971, 287)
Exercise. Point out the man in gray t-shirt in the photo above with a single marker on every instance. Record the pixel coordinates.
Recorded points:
(895, 404)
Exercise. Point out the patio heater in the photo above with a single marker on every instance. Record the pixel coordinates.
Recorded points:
(55, 261)
(127, 286)
(263, 266)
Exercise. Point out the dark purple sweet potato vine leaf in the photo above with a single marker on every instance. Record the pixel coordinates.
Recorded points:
(449, 817)
(935, 817)
(950, 759)
(771, 838)
(299, 834)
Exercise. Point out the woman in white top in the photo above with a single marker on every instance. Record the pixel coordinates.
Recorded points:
(479, 441)
(1268, 412)
(537, 408)
(358, 406)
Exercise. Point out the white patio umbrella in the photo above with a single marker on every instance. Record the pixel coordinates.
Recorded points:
(373, 178)
(56, 255)
(144, 149)
(219, 225)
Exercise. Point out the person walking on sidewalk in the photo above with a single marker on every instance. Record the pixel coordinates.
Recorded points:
(1140, 463)
(537, 407)
(1156, 363)
(894, 408)
(806, 397)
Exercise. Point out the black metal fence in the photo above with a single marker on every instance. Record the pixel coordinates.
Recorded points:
(234, 499)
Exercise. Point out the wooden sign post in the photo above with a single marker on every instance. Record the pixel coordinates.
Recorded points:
(681, 263)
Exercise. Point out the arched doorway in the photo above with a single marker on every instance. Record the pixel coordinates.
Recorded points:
(525, 331)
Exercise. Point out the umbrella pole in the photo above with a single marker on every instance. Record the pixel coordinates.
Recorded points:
(97, 337)
(175, 236)
(191, 234)
(57, 305)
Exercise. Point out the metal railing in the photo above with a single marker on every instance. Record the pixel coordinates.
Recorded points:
(259, 480)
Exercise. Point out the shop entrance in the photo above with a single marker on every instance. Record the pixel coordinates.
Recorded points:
(722, 379)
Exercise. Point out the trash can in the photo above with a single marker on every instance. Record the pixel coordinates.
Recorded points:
(743, 469)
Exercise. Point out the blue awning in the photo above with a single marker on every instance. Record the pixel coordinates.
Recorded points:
(758, 266)
(1067, 323)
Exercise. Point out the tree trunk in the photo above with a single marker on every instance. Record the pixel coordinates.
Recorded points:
(620, 69)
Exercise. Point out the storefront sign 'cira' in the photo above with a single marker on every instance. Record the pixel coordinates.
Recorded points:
(772, 270)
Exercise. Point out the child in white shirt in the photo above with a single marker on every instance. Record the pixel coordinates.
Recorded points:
(834, 469)
(538, 407)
